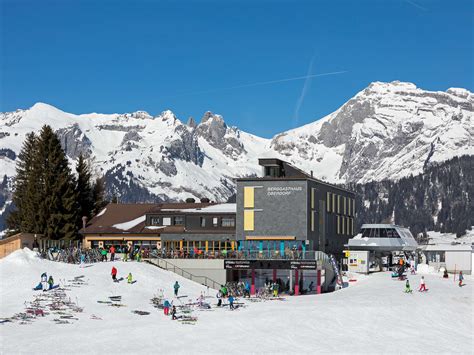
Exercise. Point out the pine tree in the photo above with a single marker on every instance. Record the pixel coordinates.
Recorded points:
(58, 207)
(98, 195)
(85, 191)
(25, 196)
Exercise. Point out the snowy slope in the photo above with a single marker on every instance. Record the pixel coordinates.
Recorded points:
(387, 131)
(372, 316)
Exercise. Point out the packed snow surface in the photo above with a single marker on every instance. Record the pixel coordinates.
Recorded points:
(372, 315)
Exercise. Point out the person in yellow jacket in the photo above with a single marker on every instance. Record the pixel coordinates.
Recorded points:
(129, 278)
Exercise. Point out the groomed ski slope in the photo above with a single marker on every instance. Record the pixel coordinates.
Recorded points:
(373, 315)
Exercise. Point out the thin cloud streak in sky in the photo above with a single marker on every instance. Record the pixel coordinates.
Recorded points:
(416, 5)
(306, 86)
(258, 83)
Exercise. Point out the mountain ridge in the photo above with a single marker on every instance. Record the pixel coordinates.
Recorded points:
(386, 131)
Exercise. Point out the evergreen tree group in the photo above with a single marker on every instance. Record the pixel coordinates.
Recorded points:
(439, 199)
(49, 199)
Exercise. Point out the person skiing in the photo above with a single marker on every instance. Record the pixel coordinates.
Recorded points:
(176, 288)
(445, 274)
(461, 278)
(247, 289)
(224, 291)
(44, 281)
(50, 282)
(219, 298)
(422, 285)
(112, 253)
(114, 274)
(129, 278)
(125, 253)
(166, 307)
(173, 313)
(82, 260)
(231, 302)
(275, 289)
(407, 287)
(103, 252)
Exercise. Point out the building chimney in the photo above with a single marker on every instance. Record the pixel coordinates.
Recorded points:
(84, 222)
(311, 173)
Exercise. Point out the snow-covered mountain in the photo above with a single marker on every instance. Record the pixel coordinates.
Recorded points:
(387, 131)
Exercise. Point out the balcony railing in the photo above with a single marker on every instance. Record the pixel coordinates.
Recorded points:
(241, 254)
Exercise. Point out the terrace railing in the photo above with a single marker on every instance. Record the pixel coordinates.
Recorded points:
(165, 264)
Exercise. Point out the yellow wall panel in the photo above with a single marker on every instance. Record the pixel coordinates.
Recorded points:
(249, 220)
(249, 197)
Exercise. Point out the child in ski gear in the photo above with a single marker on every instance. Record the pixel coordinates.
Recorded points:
(176, 288)
(166, 307)
(219, 299)
(445, 274)
(461, 278)
(114, 274)
(83, 260)
(412, 270)
(129, 278)
(50, 282)
(231, 302)
(275, 289)
(422, 285)
(173, 313)
(44, 281)
(407, 287)
(112, 253)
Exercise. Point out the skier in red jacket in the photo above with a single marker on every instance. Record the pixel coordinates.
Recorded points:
(114, 274)
(112, 253)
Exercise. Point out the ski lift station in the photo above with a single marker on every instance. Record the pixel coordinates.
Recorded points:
(379, 246)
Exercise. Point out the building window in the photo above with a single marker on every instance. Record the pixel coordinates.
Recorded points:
(312, 221)
(344, 201)
(312, 197)
(203, 222)
(228, 222)
(178, 220)
(338, 204)
(328, 198)
(343, 230)
(349, 203)
(348, 226)
(352, 226)
(353, 207)
(167, 221)
(338, 225)
(155, 221)
(333, 203)
(215, 221)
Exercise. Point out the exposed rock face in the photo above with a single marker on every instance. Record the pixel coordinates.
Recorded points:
(214, 130)
(74, 141)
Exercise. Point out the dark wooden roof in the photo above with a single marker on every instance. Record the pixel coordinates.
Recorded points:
(116, 217)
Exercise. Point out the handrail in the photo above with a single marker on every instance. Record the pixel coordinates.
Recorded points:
(183, 272)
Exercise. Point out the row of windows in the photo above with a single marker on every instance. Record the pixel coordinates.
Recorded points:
(380, 233)
(203, 245)
(345, 225)
(204, 221)
(340, 204)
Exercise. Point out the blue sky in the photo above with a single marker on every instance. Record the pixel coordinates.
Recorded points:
(194, 56)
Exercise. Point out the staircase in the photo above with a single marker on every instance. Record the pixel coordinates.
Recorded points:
(166, 265)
